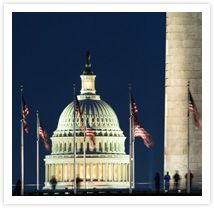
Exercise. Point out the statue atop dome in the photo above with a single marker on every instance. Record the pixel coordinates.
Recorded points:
(87, 70)
(88, 56)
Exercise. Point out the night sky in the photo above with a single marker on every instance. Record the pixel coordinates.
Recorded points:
(49, 56)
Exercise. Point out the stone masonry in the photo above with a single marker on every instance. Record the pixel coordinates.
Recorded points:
(183, 64)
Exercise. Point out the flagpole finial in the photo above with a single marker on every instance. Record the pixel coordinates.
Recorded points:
(21, 88)
(37, 112)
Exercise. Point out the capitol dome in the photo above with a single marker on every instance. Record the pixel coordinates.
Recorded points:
(101, 163)
(100, 116)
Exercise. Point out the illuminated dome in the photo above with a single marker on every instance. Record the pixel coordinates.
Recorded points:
(106, 163)
(100, 116)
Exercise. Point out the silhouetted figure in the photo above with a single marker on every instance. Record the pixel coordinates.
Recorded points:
(167, 182)
(53, 183)
(191, 177)
(157, 182)
(17, 189)
(176, 178)
(78, 180)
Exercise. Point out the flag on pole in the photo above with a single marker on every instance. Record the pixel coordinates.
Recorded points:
(43, 135)
(89, 132)
(78, 110)
(138, 131)
(141, 132)
(25, 112)
(192, 108)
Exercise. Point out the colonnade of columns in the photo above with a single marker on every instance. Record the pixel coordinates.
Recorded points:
(117, 172)
(101, 146)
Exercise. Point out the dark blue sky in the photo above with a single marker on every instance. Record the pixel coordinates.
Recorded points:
(49, 56)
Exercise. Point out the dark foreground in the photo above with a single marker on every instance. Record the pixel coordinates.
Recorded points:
(107, 193)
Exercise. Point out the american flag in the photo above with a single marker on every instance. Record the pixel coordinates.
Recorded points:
(78, 110)
(138, 131)
(89, 132)
(43, 135)
(25, 112)
(192, 108)
(134, 109)
(141, 132)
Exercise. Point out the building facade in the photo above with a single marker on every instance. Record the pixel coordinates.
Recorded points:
(107, 164)
(183, 64)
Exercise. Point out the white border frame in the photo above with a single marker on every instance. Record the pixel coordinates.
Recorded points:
(9, 8)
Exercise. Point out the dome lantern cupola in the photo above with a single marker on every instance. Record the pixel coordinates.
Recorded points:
(88, 81)
(88, 78)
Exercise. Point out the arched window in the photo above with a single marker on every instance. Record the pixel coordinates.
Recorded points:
(111, 147)
(81, 147)
(106, 147)
(69, 147)
(100, 147)
(60, 147)
(87, 146)
(64, 149)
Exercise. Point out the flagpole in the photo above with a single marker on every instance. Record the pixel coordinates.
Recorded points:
(22, 146)
(188, 142)
(74, 144)
(130, 144)
(85, 150)
(133, 154)
(37, 150)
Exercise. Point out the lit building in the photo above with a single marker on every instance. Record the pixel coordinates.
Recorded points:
(107, 165)
(183, 64)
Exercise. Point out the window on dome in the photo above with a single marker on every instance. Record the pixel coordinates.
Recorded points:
(111, 147)
(106, 147)
(64, 149)
(100, 147)
(69, 147)
(60, 147)
(87, 146)
(115, 147)
(81, 147)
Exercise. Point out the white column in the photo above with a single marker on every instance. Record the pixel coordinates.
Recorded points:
(103, 147)
(121, 169)
(98, 171)
(49, 173)
(72, 171)
(125, 172)
(112, 171)
(46, 173)
(91, 171)
(103, 170)
(53, 170)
